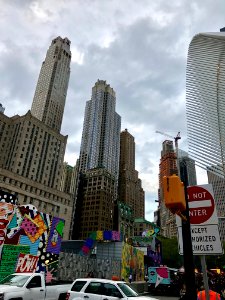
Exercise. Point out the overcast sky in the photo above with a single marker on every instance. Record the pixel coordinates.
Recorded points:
(138, 46)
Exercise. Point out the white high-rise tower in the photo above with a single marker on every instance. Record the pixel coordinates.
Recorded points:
(50, 94)
(205, 95)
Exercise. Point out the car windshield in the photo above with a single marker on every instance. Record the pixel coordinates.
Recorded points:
(15, 280)
(127, 290)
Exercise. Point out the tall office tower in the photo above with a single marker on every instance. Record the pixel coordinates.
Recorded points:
(101, 131)
(67, 182)
(187, 166)
(130, 189)
(205, 94)
(50, 94)
(99, 150)
(205, 83)
(167, 167)
(218, 184)
(32, 148)
(2, 109)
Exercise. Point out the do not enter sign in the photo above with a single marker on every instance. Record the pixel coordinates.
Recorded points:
(201, 205)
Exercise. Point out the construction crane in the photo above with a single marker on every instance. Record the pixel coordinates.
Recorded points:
(176, 138)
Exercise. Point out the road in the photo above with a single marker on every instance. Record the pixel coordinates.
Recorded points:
(164, 297)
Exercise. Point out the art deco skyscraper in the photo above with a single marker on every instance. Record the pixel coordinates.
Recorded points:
(32, 148)
(98, 167)
(50, 94)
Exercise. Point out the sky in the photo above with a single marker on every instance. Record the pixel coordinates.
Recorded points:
(139, 47)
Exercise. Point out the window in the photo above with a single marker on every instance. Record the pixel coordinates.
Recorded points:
(78, 286)
(35, 282)
(94, 288)
(111, 291)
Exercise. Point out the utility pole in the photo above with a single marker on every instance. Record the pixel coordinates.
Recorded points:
(189, 276)
(191, 291)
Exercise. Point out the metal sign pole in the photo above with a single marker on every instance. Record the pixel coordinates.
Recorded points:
(205, 276)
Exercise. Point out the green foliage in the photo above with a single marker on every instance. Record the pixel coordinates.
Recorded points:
(216, 261)
(170, 254)
(172, 258)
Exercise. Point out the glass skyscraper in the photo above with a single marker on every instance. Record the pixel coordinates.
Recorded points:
(205, 95)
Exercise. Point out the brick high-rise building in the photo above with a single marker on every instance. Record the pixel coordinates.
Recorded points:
(167, 167)
(130, 189)
(99, 151)
(32, 149)
(50, 94)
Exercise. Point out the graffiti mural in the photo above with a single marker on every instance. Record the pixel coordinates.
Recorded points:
(99, 236)
(154, 251)
(132, 263)
(29, 240)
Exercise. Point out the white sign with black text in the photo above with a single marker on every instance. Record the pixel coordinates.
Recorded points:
(205, 240)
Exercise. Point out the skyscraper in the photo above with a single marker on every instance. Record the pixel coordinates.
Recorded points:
(167, 167)
(130, 189)
(50, 94)
(98, 163)
(101, 131)
(205, 103)
(32, 148)
(205, 83)
(187, 165)
(2, 109)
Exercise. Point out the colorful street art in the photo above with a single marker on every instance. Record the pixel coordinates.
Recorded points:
(132, 263)
(30, 240)
(99, 236)
(154, 251)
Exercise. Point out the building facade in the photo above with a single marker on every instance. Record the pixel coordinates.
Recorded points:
(167, 167)
(2, 109)
(187, 166)
(51, 90)
(95, 203)
(205, 108)
(130, 189)
(99, 150)
(32, 148)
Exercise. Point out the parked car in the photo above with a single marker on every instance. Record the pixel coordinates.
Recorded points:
(95, 289)
(24, 286)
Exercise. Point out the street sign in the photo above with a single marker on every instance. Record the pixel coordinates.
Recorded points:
(205, 240)
(202, 205)
(203, 220)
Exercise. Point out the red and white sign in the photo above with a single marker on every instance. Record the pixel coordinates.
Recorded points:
(202, 205)
(26, 263)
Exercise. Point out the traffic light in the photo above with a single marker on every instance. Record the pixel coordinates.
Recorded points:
(174, 196)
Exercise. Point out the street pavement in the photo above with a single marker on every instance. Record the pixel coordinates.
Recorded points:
(164, 297)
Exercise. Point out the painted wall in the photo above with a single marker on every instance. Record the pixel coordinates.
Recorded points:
(132, 263)
(29, 240)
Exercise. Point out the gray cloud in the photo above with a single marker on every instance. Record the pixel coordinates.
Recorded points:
(139, 47)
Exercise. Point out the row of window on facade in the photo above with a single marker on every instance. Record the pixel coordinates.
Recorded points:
(35, 190)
